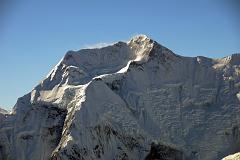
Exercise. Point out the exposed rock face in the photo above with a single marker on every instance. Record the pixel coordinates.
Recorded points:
(114, 102)
(159, 151)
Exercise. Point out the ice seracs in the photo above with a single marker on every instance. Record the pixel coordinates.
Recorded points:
(133, 100)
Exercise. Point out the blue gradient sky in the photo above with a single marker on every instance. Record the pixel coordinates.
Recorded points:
(35, 34)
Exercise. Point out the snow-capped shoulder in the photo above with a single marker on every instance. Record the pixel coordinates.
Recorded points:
(3, 111)
(235, 156)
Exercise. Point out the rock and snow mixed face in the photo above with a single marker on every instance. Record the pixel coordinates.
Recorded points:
(3, 111)
(134, 100)
(3, 114)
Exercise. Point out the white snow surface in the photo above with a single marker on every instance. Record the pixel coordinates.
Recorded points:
(235, 156)
(113, 102)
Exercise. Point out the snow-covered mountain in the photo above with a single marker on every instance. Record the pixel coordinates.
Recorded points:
(134, 100)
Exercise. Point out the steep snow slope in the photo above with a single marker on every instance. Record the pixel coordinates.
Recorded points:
(132, 100)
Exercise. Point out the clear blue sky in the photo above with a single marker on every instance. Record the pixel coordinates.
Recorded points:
(35, 34)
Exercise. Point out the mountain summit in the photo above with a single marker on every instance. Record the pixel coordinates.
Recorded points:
(133, 100)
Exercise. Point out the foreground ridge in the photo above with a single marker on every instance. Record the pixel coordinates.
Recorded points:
(129, 100)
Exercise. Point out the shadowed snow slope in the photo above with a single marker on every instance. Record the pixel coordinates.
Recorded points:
(134, 100)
